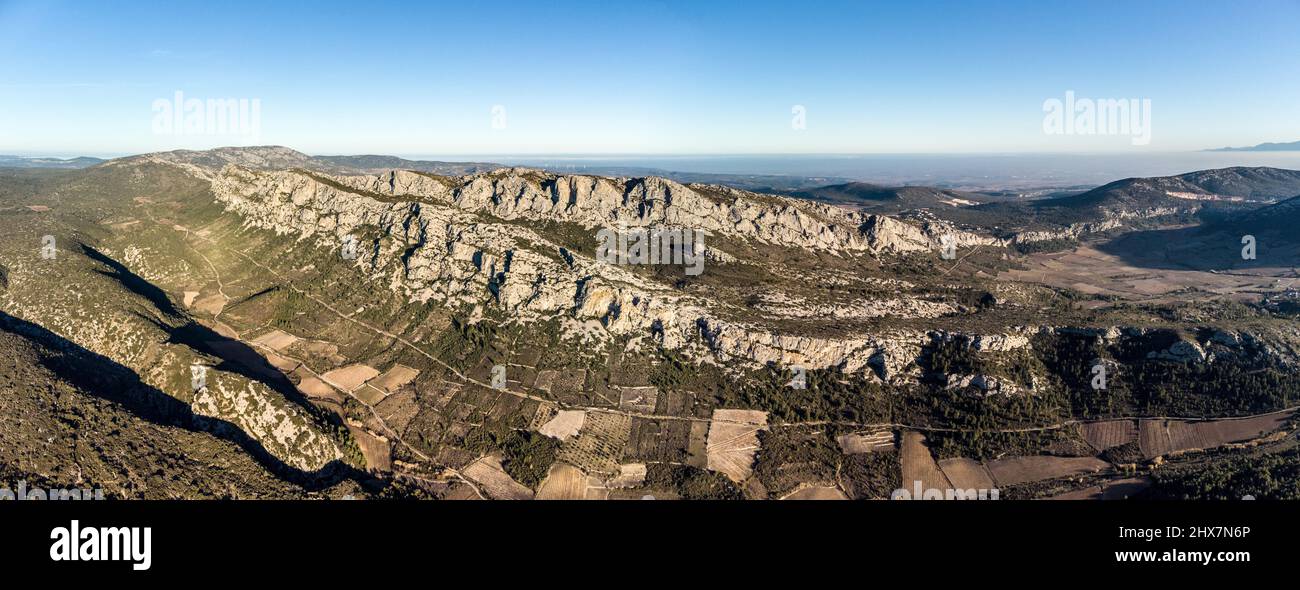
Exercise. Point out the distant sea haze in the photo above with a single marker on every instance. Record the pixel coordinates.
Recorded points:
(968, 171)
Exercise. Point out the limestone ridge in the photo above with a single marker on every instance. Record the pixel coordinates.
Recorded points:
(466, 241)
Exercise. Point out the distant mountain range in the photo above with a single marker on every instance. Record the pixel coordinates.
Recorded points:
(278, 158)
(21, 162)
(1293, 146)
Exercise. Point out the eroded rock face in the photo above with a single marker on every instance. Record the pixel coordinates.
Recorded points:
(1113, 220)
(986, 384)
(472, 241)
(999, 342)
(1183, 351)
(450, 241)
(520, 193)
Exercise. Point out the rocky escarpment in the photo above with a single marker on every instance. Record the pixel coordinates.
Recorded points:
(1113, 220)
(464, 242)
(593, 201)
(477, 240)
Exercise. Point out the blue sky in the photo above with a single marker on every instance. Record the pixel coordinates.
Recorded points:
(422, 78)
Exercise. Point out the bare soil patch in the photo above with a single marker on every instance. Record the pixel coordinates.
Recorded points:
(376, 449)
(1163, 437)
(1011, 471)
(566, 482)
(733, 442)
(866, 442)
(276, 340)
(351, 377)
(565, 425)
(493, 480)
(1136, 272)
(917, 464)
(967, 474)
(395, 377)
(212, 304)
(314, 388)
(1109, 434)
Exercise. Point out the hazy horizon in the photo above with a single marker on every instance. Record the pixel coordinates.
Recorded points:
(582, 78)
(968, 171)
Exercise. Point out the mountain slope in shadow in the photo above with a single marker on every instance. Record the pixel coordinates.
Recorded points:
(96, 375)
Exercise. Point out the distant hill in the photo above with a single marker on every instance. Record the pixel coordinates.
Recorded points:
(1281, 217)
(876, 198)
(760, 183)
(371, 163)
(71, 163)
(279, 157)
(1293, 146)
(1224, 184)
(1157, 196)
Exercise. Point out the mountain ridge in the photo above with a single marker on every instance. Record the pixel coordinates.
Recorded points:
(1290, 146)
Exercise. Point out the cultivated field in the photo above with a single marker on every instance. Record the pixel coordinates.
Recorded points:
(1017, 470)
(494, 482)
(967, 474)
(376, 449)
(1109, 434)
(598, 446)
(394, 378)
(351, 376)
(565, 425)
(1162, 437)
(566, 482)
(918, 464)
(733, 442)
(1119, 489)
(276, 340)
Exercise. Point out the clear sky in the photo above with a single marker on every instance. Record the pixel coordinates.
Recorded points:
(692, 77)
